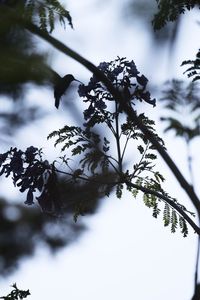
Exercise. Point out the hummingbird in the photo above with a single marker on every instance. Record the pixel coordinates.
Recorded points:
(61, 86)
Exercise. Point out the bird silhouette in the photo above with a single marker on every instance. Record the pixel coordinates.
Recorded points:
(62, 84)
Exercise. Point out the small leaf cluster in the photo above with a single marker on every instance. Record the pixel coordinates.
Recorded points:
(44, 13)
(16, 294)
(146, 163)
(149, 199)
(131, 131)
(33, 175)
(125, 77)
(73, 136)
(170, 215)
(183, 104)
(194, 69)
(169, 10)
(143, 169)
(87, 143)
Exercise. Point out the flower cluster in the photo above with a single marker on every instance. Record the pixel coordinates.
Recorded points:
(31, 174)
(125, 77)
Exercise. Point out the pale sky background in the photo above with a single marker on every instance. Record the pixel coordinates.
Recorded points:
(125, 253)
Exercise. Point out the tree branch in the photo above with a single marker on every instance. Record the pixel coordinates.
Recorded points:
(167, 200)
(144, 190)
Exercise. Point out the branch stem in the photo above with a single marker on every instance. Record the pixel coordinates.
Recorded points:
(126, 143)
(167, 200)
(117, 137)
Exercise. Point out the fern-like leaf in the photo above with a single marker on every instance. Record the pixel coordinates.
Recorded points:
(45, 13)
(174, 221)
(166, 214)
(169, 10)
(183, 226)
(119, 188)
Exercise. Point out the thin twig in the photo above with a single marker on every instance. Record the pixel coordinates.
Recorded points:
(126, 143)
(117, 137)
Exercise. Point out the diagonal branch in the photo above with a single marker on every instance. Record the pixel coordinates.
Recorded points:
(167, 200)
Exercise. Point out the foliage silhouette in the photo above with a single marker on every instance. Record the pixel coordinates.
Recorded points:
(33, 174)
(193, 70)
(182, 103)
(170, 10)
(16, 294)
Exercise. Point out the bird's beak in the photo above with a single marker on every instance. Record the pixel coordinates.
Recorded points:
(78, 81)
